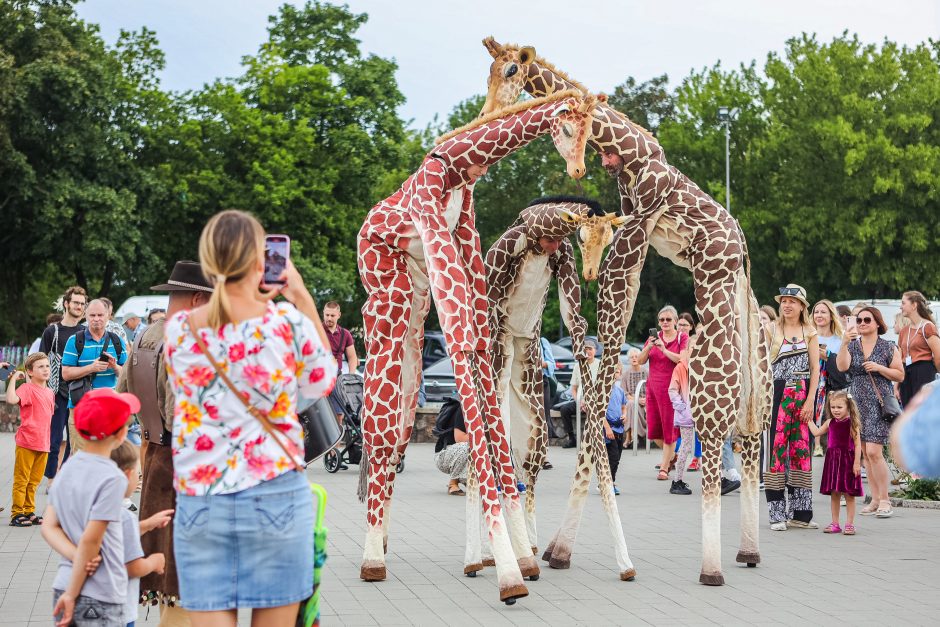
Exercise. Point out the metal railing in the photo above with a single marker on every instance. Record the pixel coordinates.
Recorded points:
(15, 355)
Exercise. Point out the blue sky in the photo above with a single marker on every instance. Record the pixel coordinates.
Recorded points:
(441, 61)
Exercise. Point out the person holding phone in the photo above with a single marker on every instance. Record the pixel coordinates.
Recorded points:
(95, 353)
(237, 443)
(875, 364)
(663, 350)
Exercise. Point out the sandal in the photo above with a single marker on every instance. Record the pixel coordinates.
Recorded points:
(869, 509)
(662, 476)
(835, 528)
(849, 530)
(884, 511)
(453, 489)
(34, 519)
(21, 520)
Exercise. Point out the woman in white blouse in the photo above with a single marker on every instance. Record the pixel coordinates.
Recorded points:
(243, 528)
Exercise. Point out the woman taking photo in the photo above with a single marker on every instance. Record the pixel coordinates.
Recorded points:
(919, 344)
(243, 527)
(794, 353)
(874, 364)
(663, 353)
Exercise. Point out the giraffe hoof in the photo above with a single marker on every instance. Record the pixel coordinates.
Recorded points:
(372, 573)
(489, 561)
(510, 594)
(533, 577)
(628, 575)
(751, 559)
(712, 580)
(559, 563)
(472, 573)
(547, 555)
(470, 570)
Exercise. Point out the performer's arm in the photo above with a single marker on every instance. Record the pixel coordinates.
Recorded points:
(449, 282)
(501, 260)
(569, 296)
(467, 240)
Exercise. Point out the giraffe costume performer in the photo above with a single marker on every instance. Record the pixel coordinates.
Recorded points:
(519, 271)
(422, 241)
(729, 364)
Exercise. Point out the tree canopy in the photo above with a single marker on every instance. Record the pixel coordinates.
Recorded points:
(106, 178)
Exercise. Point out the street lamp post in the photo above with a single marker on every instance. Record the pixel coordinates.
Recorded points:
(726, 115)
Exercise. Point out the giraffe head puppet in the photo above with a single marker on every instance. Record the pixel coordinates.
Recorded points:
(568, 116)
(557, 217)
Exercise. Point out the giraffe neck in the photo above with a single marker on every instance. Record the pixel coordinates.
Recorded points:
(612, 131)
(487, 143)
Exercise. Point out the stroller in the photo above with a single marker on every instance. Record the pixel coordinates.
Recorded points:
(349, 391)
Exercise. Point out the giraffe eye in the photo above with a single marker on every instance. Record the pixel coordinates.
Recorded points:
(567, 129)
(511, 70)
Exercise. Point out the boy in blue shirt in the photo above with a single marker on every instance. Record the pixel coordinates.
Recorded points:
(613, 427)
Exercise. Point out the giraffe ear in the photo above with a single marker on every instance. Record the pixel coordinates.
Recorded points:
(568, 217)
(561, 109)
(618, 221)
(492, 47)
(526, 54)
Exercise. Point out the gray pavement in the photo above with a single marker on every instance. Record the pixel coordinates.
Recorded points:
(885, 574)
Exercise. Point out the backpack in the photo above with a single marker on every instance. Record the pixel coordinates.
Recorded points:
(142, 381)
(80, 343)
(79, 387)
(445, 423)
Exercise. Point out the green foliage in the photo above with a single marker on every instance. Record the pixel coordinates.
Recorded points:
(921, 490)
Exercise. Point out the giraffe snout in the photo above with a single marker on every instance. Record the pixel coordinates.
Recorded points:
(576, 171)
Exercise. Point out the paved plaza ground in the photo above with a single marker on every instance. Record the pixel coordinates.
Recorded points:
(887, 574)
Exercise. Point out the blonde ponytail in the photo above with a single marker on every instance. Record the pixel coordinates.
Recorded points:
(229, 247)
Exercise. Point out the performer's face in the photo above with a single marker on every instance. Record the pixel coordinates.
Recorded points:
(613, 163)
(548, 245)
(476, 171)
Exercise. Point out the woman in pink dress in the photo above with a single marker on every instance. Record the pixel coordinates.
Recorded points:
(663, 353)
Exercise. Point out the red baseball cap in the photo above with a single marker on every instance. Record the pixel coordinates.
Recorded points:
(101, 413)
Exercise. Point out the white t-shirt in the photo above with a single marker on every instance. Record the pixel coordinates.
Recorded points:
(831, 343)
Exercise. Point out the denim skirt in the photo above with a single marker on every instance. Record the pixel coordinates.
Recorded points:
(249, 549)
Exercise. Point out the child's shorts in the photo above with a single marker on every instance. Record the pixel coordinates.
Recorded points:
(90, 611)
(249, 549)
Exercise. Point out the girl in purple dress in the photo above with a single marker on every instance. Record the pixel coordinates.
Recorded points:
(842, 470)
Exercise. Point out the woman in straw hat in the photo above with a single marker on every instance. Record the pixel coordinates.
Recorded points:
(794, 352)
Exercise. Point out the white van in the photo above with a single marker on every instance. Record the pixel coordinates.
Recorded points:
(141, 305)
(889, 309)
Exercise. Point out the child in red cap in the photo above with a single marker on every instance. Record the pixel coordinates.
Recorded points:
(37, 402)
(85, 502)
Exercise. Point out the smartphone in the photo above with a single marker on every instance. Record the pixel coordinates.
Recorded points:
(104, 357)
(276, 254)
(5, 372)
(654, 332)
(851, 322)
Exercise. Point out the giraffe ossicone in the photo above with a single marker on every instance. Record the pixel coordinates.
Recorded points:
(729, 365)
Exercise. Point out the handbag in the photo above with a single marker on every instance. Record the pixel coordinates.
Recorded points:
(309, 612)
(890, 407)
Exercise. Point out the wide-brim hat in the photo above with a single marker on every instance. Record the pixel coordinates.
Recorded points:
(187, 276)
(792, 290)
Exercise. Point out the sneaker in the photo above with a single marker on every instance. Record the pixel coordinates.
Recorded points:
(696, 465)
(679, 487)
(842, 501)
(864, 474)
(799, 524)
(778, 526)
(818, 452)
(547, 465)
(129, 505)
(616, 490)
(729, 486)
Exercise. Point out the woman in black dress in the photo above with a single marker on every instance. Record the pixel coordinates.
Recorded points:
(873, 363)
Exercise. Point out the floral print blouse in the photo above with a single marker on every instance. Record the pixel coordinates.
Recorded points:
(218, 447)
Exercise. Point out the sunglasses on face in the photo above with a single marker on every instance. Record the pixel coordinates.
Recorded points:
(789, 291)
(665, 319)
(865, 320)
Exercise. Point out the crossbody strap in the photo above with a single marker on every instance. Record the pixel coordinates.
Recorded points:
(254, 411)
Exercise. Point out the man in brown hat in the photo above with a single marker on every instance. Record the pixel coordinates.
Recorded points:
(145, 376)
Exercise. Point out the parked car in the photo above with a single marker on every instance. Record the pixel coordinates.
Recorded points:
(440, 384)
(141, 305)
(565, 343)
(564, 364)
(889, 308)
(435, 348)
